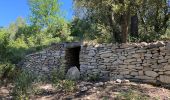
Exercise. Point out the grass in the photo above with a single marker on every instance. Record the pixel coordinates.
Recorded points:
(131, 95)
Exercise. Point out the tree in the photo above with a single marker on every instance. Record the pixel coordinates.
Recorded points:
(44, 12)
(124, 18)
(45, 15)
(113, 16)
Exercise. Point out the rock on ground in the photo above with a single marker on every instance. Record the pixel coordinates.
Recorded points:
(73, 74)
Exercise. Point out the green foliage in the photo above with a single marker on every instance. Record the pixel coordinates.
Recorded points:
(23, 86)
(7, 71)
(93, 78)
(59, 82)
(56, 75)
(65, 85)
(131, 95)
(112, 19)
(46, 15)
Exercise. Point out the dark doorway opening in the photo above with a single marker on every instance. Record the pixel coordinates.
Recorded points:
(72, 57)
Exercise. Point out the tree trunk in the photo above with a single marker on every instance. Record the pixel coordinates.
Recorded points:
(110, 16)
(134, 26)
(125, 23)
(124, 28)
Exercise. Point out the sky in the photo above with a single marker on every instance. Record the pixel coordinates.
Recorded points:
(10, 10)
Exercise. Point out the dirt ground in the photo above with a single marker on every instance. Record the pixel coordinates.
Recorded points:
(109, 90)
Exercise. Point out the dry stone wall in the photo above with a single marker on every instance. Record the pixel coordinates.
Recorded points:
(148, 62)
(42, 63)
(52, 58)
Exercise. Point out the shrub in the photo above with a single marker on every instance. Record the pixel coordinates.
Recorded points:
(7, 71)
(93, 78)
(23, 86)
(59, 82)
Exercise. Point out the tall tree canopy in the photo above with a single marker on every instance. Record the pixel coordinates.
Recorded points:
(46, 16)
(121, 18)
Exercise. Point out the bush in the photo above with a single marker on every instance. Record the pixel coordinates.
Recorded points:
(7, 71)
(59, 82)
(23, 86)
(93, 78)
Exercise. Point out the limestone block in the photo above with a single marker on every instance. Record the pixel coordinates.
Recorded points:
(144, 77)
(162, 61)
(167, 72)
(129, 60)
(107, 60)
(160, 73)
(91, 53)
(148, 55)
(73, 73)
(164, 78)
(167, 67)
(122, 57)
(147, 68)
(91, 67)
(106, 55)
(140, 51)
(124, 73)
(131, 66)
(151, 74)
(141, 73)
(134, 73)
(123, 66)
(102, 67)
(136, 55)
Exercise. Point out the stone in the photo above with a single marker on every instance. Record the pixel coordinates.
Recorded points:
(102, 67)
(136, 55)
(83, 89)
(107, 60)
(118, 81)
(124, 73)
(167, 72)
(164, 78)
(144, 77)
(144, 43)
(140, 51)
(131, 66)
(148, 55)
(106, 55)
(160, 43)
(125, 81)
(91, 67)
(129, 60)
(160, 73)
(162, 61)
(167, 67)
(134, 73)
(141, 73)
(99, 84)
(73, 74)
(151, 74)
(92, 53)
(122, 57)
